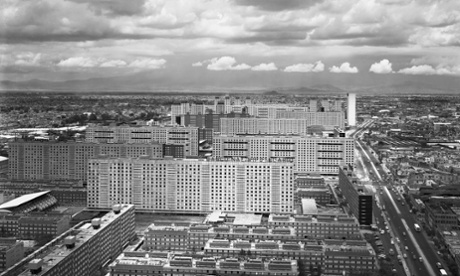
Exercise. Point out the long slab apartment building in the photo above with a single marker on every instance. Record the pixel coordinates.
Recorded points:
(191, 185)
(309, 154)
(52, 160)
(186, 136)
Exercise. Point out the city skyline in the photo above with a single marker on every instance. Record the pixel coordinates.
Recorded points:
(205, 45)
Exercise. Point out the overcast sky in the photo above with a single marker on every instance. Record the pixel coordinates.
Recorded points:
(245, 41)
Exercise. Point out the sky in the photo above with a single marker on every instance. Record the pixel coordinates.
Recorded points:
(232, 43)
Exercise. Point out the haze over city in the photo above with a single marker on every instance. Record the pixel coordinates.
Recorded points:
(217, 45)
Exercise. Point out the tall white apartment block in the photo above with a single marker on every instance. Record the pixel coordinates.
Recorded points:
(191, 185)
(351, 109)
(310, 154)
(313, 106)
(187, 136)
(285, 122)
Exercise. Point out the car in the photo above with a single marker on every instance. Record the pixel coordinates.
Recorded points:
(404, 256)
(406, 248)
(392, 241)
(420, 259)
(393, 270)
(404, 233)
(387, 228)
(398, 240)
(402, 203)
(415, 257)
(382, 232)
(438, 265)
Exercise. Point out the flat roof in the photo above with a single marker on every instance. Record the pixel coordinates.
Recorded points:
(22, 200)
(309, 206)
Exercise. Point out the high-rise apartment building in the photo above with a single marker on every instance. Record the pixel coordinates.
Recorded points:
(52, 160)
(310, 154)
(187, 136)
(191, 185)
(351, 109)
(359, 201)
(330, 121)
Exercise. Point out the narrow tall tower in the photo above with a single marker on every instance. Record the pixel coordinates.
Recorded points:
(351, 110)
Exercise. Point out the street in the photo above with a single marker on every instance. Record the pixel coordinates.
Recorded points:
(413, 244)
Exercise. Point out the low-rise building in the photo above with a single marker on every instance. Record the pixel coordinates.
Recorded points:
(86, 249)
(11, 251)
(156, 264)
(33, 226)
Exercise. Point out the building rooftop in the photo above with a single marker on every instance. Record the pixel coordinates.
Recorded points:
(233, 218)
(22, 200)
(309, 206)
(60, 251)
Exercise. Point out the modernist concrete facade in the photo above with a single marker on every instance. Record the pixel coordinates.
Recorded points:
(161, 264)
(11, 251)
(309, 154)
(187, 136)
(75, 255)
(359, 201)
(191, 185)
(50, 160)
(286, 126)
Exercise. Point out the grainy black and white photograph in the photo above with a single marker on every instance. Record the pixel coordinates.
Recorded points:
(229, 137)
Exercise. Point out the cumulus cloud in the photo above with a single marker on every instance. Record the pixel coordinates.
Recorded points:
(305, 67)
(197, 64)
(148, 63)
(265, 67)
(114, 63)
(225, 63)
(344, 68)
(77, 62)
(27, 59)
(426, 69)
(382, 67)
(86, 62)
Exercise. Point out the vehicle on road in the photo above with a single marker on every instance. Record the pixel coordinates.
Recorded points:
(415, 257)
(406, 248)
(398, 240)
(404, 233)
(391, 252)
(402, 203)
(442, 272)
(438, 265)
(420, 259)
(417, 227)
(382, 232)
(392, 241)
(405, 256)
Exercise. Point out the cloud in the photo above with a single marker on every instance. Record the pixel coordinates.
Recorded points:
(197, 64)
(148, 63)
(382, 67)
(305, 67)
(78, 62)
(114, 63)
(86, 62)
(28, 59)
(265, 67)
(276, 5)
(426, 69)
(344, 68)
(225, 63)
(115, 7)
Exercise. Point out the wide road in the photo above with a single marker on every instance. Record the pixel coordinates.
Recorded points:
(401, 221)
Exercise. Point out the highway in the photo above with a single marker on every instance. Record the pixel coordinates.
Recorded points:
(401, 221)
